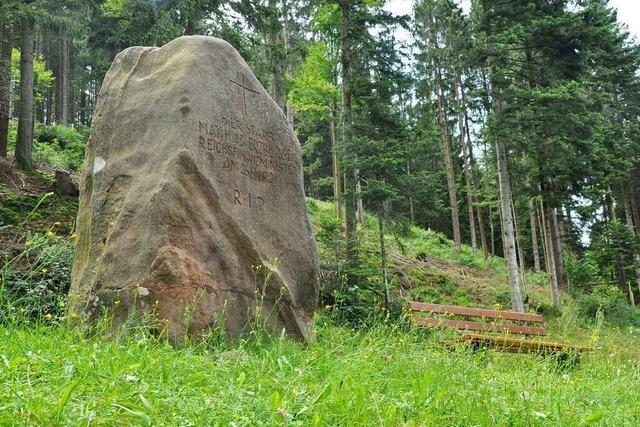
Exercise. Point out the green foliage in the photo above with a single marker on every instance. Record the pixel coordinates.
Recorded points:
(615, 248)
(438, 289)
(583, 271)
(312, 91)
(355, 302)
(42, 77)
(60, 146)
(425, 243)
(39, 214)
(539, 278)
(380, 376)
(34, 284)
(549, 311)
(612, 303)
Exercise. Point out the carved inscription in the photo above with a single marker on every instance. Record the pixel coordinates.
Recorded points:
(251, 201)
(242, 84)
(242, 148)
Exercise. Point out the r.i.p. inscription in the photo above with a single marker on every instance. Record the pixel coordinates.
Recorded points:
(240, 148)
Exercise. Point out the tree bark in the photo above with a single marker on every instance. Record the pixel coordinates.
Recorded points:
(467, 162)
(5, 83)
(62, 82)
(493, 232)
(359, 201)
(412, 214)
(290, 69)
(508, 230)
(448, 163)
(337, 181)
(383, 256)
(24, 140)
(534, 236)
(543, 236)
(518, 246)
(349, 176)
(557, 249)
(277, 77)
(71, 98)
(83, 107)
(633, 204)
(474, 187)
(628, 210)
(66, 69)
(551, 258)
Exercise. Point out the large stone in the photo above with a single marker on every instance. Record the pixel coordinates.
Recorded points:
(191, 202)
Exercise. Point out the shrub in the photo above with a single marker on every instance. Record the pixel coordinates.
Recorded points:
(612, 303)
(34, 284)
(353, 290)
(440, 289)
(60, 146)
(537, 278)
(582, 271)
(545, 309)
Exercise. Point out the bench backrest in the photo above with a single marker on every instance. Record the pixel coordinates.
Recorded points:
(498, 318)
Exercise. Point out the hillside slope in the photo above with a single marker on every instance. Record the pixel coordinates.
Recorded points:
(383, 374)
(423, 264)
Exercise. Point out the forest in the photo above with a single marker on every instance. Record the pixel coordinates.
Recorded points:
(512, 127)
(477, 152)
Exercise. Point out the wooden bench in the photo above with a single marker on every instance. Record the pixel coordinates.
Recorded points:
(497, 333)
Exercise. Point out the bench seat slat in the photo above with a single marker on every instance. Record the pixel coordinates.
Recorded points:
(475, 312)
(477, 326)
(516, 345)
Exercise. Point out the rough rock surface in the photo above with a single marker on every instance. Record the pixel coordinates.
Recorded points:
(191, 199)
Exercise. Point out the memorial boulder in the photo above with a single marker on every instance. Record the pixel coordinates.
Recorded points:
(192, 208)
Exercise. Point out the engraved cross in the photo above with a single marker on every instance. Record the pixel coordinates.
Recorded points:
(245, 88)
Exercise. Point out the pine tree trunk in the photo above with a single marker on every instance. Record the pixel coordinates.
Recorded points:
(49, 95)
(493, 232)
(448, 163)
(336, 165)
(383, 256)
(277, 78)
(474, 187)
(83, 107)
(71, 99)
(631, 195)
(508, 234)
(65, 80)
(534, 236)
(630, 224)
(551, 259)
(39, 107)
(557, 249)
(518, 245)
(290, 69)
(349, 176)
(359, 201)
(467, 163)
(5, 83)
(24, 140)
(483, 237)
(412, 214)
(542, 226)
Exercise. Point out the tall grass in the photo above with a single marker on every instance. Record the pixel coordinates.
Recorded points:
(388, 374)
(54, 375)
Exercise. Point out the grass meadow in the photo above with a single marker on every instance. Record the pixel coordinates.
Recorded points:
(386, 375)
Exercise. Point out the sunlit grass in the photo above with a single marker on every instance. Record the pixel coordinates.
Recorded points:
(52, 375)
